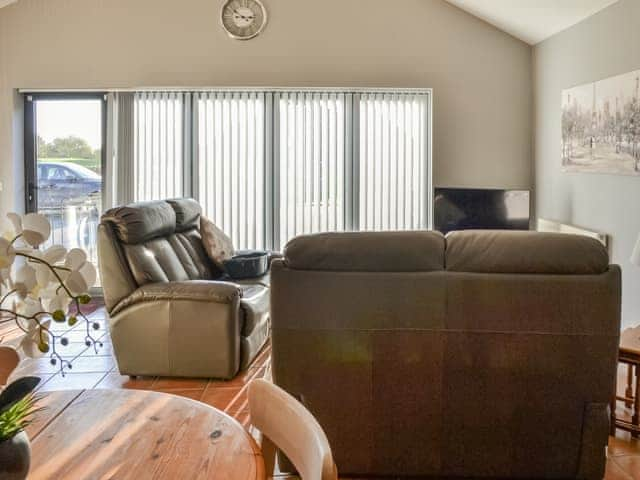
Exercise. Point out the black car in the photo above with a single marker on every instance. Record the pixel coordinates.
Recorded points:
(62, 182)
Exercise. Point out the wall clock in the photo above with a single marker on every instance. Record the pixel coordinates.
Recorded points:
(243, 19)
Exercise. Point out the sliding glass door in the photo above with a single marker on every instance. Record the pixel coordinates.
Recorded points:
(65, 164)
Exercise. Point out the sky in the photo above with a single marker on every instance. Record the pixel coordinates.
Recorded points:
(61, 118)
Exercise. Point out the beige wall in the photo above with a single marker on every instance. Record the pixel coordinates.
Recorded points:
(481, 77)
(604, 45)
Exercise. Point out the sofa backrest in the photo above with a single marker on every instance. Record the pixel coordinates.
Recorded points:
(498, 361)
(411, 251)
(151, 242)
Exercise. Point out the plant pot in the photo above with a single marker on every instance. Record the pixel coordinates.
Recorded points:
(15, 457)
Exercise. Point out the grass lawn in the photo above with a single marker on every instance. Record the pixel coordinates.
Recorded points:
(90, 163)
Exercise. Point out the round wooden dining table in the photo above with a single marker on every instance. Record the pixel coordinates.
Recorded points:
(135, 434)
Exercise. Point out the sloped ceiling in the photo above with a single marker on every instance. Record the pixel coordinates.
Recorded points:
(529, 20)
(532, 20)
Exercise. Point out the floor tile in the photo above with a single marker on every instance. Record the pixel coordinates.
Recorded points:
(104, 350)
(614, 472)
(166, 383)
(623, 444)
(194, 394)
(72, 381)
(630, 464)
(73, 349)
(88, 364)
(220, 397)
(115, 380)
(240, 380)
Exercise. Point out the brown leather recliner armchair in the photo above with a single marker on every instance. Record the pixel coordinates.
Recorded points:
(170, 314)
(482, 354)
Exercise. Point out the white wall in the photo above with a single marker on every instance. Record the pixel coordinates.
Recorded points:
(481, 76)
(604, 45)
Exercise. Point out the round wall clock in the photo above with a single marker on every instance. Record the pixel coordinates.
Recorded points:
(243, 19)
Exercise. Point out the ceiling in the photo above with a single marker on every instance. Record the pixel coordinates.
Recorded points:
(532, 20)
(529, 20)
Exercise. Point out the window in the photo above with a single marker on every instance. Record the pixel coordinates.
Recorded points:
(269, 165)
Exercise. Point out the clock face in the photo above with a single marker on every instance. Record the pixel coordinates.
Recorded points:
(243, 19)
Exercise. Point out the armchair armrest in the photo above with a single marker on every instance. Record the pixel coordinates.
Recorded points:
(193, 290)
(273, 255)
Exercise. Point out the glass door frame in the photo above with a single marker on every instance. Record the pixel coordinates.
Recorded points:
(31, 139)
(31, 146)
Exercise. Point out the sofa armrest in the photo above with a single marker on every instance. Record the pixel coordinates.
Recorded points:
(193, 290)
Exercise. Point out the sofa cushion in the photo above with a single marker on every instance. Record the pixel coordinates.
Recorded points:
(217, 244)
(141, 222)
(487, 251)
(411, 251)
(187, 212)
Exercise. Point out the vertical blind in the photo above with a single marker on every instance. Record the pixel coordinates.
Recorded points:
(269, 165)
(393, 161)
(230, 158)
(311, 162)
(158, 145)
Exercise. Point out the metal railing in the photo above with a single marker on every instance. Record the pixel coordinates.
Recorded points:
(74, 224)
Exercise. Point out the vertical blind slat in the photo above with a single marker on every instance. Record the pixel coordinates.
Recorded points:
(158, 145)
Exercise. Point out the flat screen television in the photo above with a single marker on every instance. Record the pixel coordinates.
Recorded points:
(484, 209)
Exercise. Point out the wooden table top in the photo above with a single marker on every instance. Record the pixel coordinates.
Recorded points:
(630, 341)
(135, 434)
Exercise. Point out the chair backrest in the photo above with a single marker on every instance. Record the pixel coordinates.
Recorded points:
(9, 360)
(285, 422)
(150, 242)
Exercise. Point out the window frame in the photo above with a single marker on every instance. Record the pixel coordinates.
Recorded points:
(31, 139)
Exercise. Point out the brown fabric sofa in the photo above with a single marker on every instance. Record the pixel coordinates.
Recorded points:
(482, 354)
(170, 313)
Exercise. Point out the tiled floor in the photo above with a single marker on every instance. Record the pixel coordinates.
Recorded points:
(97, 369)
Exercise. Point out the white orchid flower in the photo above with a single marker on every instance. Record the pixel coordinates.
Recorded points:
(16, 221)
(35, 342)
(35, 229)
(28, 307)
(52, 255)
(25, 280)
(76, 257)
(59, 301)
(83, 274)
(7, 254)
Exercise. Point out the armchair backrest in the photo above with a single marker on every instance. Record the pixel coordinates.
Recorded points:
(151, 242)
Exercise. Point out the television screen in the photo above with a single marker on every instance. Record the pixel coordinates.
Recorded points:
(467, 208)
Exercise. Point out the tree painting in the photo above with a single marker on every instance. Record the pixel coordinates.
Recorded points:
(601, 126)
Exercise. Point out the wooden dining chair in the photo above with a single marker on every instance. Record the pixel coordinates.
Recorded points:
(9, 360)
(286, 424)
